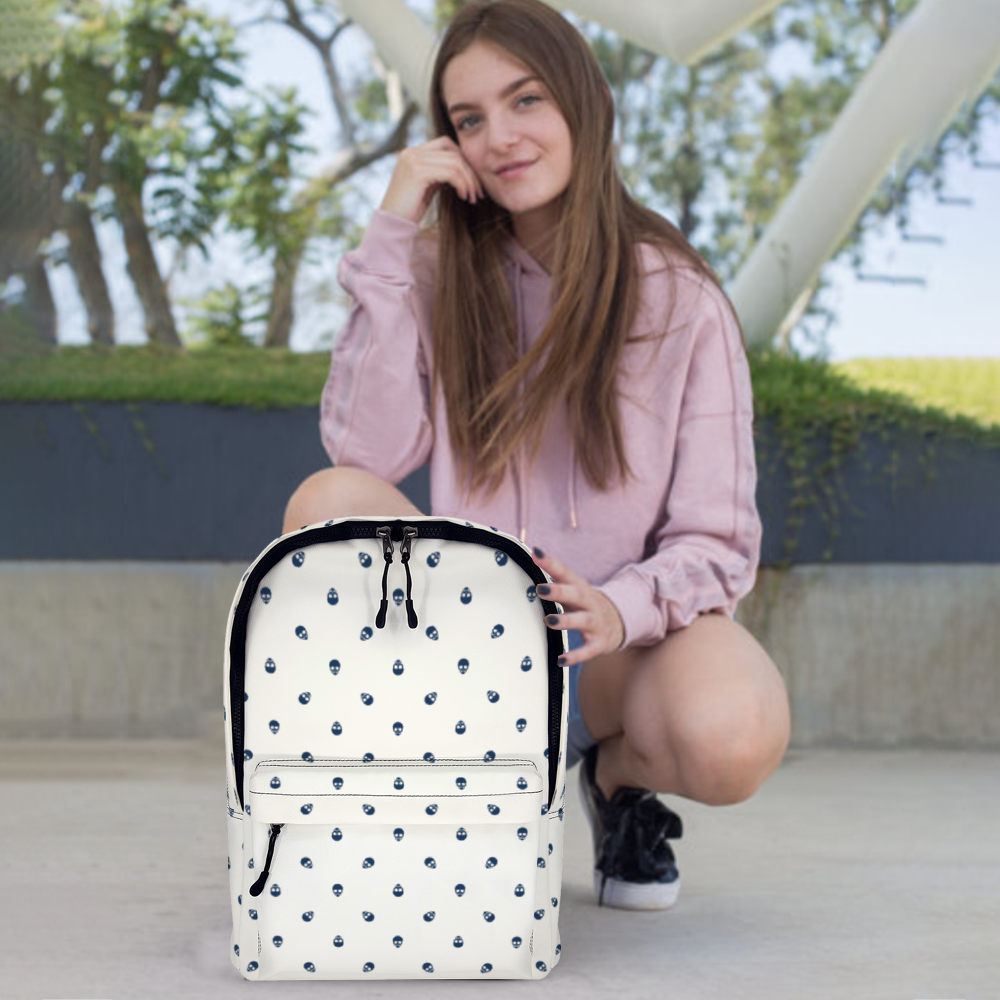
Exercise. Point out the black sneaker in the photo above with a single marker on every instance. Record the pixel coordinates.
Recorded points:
(634, 866)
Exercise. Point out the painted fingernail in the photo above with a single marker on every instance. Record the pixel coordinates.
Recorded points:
(552, 620)
(562, 661)
(538, 552)
(542, 588)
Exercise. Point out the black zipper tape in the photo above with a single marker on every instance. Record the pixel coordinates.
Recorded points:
(447, 530)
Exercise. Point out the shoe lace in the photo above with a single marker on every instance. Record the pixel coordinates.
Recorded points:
(637, 833)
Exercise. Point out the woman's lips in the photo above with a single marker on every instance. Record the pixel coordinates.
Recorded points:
(516, 171)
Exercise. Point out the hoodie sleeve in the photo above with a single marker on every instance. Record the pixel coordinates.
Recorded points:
(708, 545)
(374, 410)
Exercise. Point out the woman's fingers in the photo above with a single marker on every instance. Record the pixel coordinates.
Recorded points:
(467, 182)
(555, 568)
(473, 190)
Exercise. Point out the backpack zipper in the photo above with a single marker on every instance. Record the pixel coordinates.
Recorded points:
(258, 887)
(406, 532)
(409, 533)
(385, 533)
(386, 536)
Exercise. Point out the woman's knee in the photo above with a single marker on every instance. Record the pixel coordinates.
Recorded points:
(711, 700)
(340, 491)
(318, 496)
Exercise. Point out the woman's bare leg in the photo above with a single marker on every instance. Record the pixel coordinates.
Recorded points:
(340, 492)
(703, 714)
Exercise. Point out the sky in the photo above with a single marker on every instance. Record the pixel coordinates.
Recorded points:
(955, 313)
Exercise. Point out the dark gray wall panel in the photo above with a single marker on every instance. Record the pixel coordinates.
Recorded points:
(214, 482)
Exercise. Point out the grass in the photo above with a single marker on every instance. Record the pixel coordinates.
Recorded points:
(929, 393)
(243, 376)
(968, 387)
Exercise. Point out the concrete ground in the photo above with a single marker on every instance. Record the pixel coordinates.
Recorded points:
(849, 874)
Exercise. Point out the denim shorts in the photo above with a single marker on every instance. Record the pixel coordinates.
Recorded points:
(578, 739)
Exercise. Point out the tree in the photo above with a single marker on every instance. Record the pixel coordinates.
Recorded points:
(313, 211)
(175, 60)
(28, 197)
(129, 118)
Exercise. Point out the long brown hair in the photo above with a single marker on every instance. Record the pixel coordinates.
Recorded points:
(595, 271)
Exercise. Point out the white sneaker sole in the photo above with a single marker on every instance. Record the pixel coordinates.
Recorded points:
(629, 895)
(637, 895)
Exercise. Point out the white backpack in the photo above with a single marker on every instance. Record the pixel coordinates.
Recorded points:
(395, 777)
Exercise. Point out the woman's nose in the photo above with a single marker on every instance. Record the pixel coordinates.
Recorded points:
(503, 134)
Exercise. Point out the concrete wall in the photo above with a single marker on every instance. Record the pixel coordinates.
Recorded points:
(873, 654)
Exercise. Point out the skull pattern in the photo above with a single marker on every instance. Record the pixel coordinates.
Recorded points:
(443, 710)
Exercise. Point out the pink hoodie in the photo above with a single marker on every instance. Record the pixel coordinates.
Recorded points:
(681, 540)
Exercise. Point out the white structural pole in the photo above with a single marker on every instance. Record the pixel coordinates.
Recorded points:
(401, 39)
(682, 30)
(936, 62)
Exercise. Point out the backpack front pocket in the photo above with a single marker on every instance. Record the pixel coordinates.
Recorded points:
(393, 869)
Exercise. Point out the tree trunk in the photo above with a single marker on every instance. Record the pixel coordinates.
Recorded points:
(85, 261)
(143, 268)
(39, 303)
(282, 311)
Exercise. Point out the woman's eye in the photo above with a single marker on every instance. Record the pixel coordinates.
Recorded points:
(468, 118)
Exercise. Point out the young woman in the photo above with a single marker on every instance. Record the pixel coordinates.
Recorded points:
(545, 307)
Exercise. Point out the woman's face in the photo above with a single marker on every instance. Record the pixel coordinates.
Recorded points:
(496, 125)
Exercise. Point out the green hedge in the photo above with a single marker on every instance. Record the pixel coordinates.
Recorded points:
(957, 397)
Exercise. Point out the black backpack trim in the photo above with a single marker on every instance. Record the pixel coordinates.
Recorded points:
(428, 528)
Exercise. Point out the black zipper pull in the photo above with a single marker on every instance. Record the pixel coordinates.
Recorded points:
(409, 532)
(258, 887)
(385, 534)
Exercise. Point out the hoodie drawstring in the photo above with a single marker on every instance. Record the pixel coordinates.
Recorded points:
(572, 483)
(519, 258)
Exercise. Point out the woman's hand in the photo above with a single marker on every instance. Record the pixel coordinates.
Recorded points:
(587, 610)
(421, 170)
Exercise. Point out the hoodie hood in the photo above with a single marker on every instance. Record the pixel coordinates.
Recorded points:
(527, 276)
